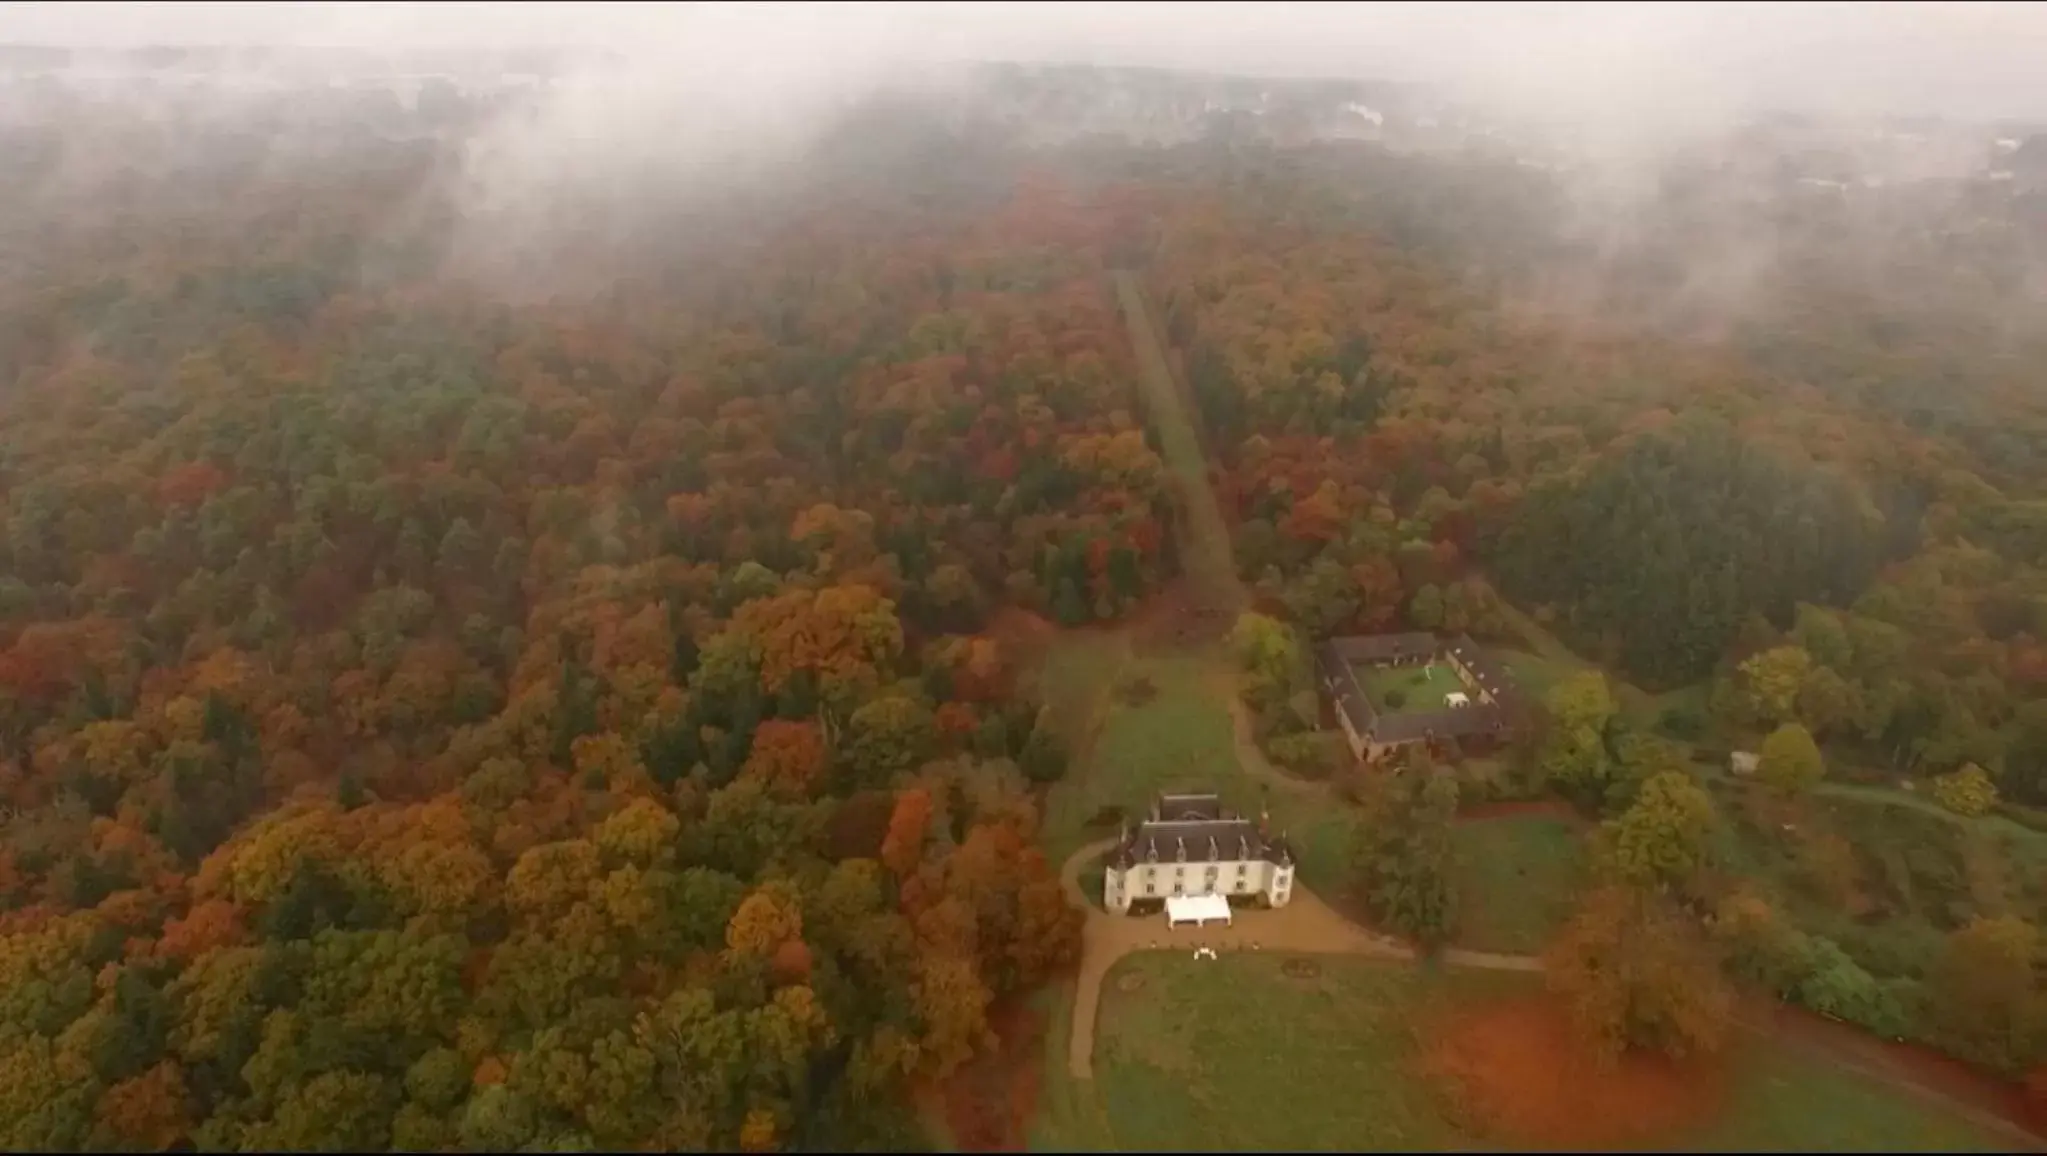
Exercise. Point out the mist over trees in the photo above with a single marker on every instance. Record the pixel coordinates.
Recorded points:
(501, 622)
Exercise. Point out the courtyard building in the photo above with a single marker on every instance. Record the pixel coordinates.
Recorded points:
(1390, 692)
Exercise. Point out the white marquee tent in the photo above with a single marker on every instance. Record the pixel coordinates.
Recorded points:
(1199, 910)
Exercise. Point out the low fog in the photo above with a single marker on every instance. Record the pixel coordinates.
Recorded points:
(1627, 67)
(651, 112)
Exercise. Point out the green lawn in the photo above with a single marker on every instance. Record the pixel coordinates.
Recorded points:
(1177, 740)
(1075, 675)
(1516, 877)
(1233, 1054)
(1793, 1101)
(1536, 674)
(1547, 661)
(1182, 740)
(1422, 687)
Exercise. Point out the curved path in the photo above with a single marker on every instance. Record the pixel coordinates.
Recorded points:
(1306, 926)
(1250, 757)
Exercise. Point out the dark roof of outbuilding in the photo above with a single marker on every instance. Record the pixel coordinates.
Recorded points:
(1337, 659)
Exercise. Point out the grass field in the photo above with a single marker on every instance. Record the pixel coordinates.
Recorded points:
(1074, 676)
(1176, 740)
(1791, 1101)
(1422, 687)
(1516, 878)
(1234, 1054)
(1536, 674)
(1180, 739)
(1547, 661)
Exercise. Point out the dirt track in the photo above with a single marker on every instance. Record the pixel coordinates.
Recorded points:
(1304, 926)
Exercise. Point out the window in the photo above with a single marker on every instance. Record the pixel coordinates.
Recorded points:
(1212, 873)
(1241, 869)
(1151, 889)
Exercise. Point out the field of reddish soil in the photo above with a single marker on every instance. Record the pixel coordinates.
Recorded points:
(1515, 1071)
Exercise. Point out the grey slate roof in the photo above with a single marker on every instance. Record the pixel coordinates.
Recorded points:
(1343, 686)
(1449, 723)
(1196, 828)
(1339, 659)
(1490, 672)
(1374, 648)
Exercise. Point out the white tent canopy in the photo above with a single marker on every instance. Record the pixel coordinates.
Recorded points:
(1199, 910)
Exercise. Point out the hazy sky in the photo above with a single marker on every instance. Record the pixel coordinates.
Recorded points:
(1964, 58)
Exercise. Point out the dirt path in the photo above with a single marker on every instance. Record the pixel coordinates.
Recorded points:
(1306, 925)
(1914, 1070)
(1102, 943)
(1250, 757)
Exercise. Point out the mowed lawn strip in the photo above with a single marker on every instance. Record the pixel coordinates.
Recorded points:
(1177, 739)
(1182, 738)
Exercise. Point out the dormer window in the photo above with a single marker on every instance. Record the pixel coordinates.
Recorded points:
(1180, 850)
(1151, 852)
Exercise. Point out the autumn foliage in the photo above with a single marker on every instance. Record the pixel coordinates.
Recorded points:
(431, 721)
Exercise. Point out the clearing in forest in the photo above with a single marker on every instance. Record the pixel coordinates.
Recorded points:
(1265, 1052)
(1221, 1053)
(1225, 1054)
(1206, 555)
(1181, 737)
(1516, 878)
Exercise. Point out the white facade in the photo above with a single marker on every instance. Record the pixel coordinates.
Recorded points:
(1248, 878)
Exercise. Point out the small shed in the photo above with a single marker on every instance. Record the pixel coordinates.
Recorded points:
(1197, 910)
(1456, 698)
(1744, 763)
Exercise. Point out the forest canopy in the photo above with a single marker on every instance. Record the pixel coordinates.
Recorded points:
(559, 701)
